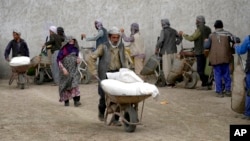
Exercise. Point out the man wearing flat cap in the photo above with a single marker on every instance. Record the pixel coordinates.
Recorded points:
(18, 46)
(111, 56)
(201, 33)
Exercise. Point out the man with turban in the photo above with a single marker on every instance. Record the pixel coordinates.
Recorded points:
(101, 36)
(201, 33)
(137, 48)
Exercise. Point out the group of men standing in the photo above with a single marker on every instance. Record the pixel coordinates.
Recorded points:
(217, 46)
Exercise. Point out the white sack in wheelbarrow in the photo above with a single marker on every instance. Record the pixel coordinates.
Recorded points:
(19, 61)
(124, 75)
(115, 87)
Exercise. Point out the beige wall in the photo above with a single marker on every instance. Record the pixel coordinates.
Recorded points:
(33, 17)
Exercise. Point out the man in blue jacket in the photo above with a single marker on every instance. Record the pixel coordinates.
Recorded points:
(242, 49)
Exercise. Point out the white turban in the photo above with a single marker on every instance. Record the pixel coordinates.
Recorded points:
(53, 29)
(17, 31)
(114, 30)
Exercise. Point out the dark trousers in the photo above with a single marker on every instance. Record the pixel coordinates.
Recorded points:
(102, 102)
(201, 64)
(76, 99)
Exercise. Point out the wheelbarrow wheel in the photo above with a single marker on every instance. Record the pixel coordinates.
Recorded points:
(191, 80)
(85, 77)
(40, 78)
(130, 115)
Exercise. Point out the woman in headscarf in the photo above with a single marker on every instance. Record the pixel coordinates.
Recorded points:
(69, 76)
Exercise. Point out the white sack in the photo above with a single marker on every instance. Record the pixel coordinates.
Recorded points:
(19, 61)
(124, 75)
(115, 87)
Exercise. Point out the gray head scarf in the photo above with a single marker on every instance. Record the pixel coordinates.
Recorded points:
(201, 19)
(165, 23)
(98, 24)
(115, 30)
(134, 28)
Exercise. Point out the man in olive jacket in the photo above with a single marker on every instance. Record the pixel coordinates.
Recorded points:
(201, 33)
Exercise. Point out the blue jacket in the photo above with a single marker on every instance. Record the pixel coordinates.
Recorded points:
(242, 49)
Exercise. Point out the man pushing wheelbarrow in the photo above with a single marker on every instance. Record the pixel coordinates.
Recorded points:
(19, 49)
(111, 58)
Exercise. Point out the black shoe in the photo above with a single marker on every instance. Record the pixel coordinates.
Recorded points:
(66, 103)
(220, 95)
(101, 117)
(228, 93)
(116, 123)
(246, 117)
(77, 103)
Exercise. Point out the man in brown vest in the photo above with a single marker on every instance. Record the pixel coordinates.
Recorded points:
(220, 54)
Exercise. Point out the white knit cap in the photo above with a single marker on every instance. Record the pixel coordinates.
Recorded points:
(114, 30)
(53, 29)
(17, 31)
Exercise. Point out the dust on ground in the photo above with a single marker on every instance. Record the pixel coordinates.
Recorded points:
(34, 114)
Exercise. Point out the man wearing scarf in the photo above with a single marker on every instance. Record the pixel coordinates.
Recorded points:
(69, 76)
(167, 42)
(101, 36)
(201, 33)
(137, 47)
(111, 58)
(18, 46)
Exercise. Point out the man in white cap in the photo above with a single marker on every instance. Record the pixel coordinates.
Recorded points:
(18, 46)
(201, 33)
(111, 58)
(101, 36)
(54, 43)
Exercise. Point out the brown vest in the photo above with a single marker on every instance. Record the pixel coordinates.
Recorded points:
(220, 49)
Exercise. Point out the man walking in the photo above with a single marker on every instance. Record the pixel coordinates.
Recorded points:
(111, 56)
(18, 46)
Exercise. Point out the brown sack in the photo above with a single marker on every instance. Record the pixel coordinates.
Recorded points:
(238, 93)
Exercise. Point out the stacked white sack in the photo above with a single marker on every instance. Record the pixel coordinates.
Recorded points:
(19, 61)
(126, 82)
(124, 75)
(115, 87)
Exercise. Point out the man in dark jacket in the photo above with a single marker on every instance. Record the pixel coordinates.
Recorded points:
(18, 46)
(54, 43)
(201, 33)
(111, 56)
(166, 46)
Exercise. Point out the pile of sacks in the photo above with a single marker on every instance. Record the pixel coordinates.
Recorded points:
(126, 82)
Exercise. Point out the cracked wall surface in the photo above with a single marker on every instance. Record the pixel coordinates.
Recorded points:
(33, 17)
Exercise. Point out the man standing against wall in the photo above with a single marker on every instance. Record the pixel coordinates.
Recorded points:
(137, 47)
(18, 46)
(220, 54)
(166, 46)
(111, 56)
(201, 33)
(101, 36)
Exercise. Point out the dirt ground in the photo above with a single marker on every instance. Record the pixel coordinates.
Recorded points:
(34, 114)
